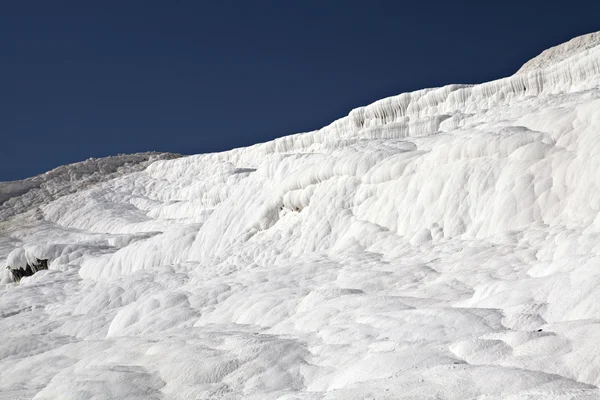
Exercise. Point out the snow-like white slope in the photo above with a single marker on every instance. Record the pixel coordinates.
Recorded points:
(18, 197)
(440, 244)
(561, 52)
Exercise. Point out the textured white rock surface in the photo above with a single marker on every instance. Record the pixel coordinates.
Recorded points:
(440, 244)
(562, 51)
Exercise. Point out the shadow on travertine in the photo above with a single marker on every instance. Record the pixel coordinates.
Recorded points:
(30, 269)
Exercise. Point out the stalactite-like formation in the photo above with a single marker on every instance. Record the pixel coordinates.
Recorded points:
(30, 269)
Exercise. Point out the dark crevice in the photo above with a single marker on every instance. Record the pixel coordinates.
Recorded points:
(30, 269)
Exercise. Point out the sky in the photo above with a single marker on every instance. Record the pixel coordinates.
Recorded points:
(81, 79)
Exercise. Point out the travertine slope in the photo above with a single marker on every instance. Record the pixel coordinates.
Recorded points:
(439, 244)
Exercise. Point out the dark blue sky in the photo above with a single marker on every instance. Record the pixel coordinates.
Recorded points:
(82, 79)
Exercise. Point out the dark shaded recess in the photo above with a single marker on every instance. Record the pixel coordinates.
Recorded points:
(19, 273)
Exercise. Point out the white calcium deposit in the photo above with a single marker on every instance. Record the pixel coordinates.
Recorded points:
(440, 244)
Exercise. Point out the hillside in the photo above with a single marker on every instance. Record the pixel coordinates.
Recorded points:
(439, 244)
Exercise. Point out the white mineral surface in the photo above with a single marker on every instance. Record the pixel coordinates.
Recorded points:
(440, 244)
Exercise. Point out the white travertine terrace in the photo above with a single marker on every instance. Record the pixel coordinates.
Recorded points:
(439, 244)
(561, 52)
